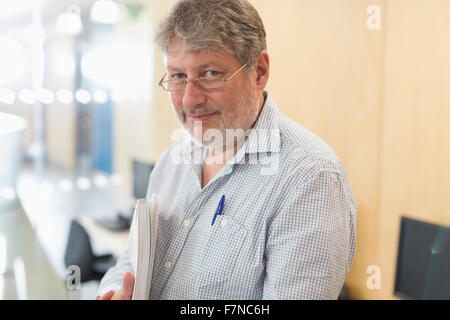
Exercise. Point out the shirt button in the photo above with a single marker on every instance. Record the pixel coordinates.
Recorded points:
(186, 223)
(224, 223)
(168, 265)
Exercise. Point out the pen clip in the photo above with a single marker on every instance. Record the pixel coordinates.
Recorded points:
(219, 209)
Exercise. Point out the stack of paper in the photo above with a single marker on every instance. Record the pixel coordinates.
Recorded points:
(141, 246)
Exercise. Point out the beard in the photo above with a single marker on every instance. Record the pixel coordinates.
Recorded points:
(236, 121)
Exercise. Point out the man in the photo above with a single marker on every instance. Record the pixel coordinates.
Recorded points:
(252, 205)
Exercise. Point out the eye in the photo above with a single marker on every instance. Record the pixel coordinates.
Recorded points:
(211, 73)
(178, 76)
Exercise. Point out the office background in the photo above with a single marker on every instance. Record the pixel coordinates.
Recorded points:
(371, 77)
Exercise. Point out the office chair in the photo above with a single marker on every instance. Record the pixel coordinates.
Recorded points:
(79, 253)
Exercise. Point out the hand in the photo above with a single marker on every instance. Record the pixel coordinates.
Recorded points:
(124, 293)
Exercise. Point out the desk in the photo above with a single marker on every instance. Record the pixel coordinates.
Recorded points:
(27, 273)
(115, 242)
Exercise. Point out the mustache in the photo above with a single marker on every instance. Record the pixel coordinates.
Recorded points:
(199, 110)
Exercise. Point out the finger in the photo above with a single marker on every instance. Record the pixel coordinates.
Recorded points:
(128, 285)
(97, 297)
(108, 295)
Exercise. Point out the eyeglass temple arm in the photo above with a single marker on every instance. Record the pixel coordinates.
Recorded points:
(236, 72)
(160, 81)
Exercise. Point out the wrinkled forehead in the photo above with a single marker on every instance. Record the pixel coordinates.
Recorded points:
(179, 49)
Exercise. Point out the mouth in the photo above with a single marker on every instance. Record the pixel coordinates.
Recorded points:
(200, 117)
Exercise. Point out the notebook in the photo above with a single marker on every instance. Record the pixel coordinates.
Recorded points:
(141, 247)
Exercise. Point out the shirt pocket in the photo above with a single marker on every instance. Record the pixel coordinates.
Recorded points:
(222, 251)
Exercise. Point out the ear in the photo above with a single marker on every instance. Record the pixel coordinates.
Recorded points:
(262, 69)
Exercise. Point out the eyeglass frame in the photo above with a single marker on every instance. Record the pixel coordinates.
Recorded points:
(196, 81)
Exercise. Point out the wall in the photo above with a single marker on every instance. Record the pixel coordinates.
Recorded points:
(415, 152)
(326, 74)
(143, 130)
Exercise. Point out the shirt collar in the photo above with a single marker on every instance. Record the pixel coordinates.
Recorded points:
(265, 135)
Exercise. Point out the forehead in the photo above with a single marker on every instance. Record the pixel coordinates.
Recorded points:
(178, 57)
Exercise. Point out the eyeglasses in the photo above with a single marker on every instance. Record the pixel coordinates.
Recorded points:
(204, 83)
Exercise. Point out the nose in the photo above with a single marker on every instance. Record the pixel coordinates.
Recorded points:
(193, 95)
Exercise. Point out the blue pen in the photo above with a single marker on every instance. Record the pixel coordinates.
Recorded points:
(219, 209)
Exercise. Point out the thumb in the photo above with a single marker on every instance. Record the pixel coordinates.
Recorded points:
(128, 284)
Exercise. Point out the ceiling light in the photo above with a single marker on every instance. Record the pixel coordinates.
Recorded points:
(69, 22)
(105, 11)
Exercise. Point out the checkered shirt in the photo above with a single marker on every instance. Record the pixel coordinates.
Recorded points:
(287, 230)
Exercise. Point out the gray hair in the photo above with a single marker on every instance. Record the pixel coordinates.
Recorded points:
(210, 25)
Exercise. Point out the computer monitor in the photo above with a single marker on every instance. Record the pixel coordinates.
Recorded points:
(423, 261)
(141, 175)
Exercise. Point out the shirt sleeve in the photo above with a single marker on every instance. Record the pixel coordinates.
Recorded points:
(112, 280)
(311, 241)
